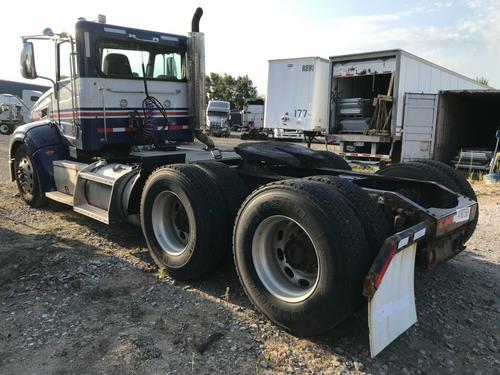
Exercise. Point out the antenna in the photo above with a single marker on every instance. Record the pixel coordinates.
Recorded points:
(145, 81)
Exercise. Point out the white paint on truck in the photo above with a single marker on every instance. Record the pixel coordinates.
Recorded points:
(297, 94)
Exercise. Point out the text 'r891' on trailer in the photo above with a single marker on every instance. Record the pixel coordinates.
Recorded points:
(309, 237)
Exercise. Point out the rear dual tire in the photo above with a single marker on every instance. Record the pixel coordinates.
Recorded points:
(301, 255)
(187, 212)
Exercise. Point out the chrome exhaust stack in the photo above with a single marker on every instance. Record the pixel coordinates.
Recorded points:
(196, 81)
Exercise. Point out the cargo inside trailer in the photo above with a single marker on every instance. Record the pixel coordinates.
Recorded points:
(467, 121)
(362, 86)
(354, 116)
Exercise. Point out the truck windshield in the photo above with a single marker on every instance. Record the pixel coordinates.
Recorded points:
(124, 60)
(217, 113)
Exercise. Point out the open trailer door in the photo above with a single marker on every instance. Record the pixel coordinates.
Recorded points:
(419, 124)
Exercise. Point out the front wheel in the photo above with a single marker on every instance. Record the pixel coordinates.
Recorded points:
(27, 179)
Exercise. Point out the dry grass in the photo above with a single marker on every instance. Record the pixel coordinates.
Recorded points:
(482, 188)
(363, 168)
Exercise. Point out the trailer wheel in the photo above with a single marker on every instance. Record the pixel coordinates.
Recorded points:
(462, 184)
(301, 255)
(375, 224)
(183, 220)
(27, 180)
(335, 161)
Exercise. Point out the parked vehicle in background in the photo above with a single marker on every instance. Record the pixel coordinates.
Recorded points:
(15, 111)
(399, 122)
(235, 120)
(297, 97)
(218, 118)
(253, 119)
(253, 113)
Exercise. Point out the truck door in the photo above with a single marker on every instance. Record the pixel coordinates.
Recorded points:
(65, 76)
(419, 124)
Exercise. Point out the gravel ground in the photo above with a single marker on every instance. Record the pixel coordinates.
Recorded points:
(79, 297)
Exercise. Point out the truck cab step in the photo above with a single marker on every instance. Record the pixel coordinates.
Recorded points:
(93, 212)
(60, 197)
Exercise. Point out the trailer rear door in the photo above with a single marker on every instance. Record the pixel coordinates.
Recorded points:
(419, 124)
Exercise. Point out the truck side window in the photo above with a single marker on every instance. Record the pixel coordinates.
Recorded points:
(168, 66)
(64, 51)
(123, 62)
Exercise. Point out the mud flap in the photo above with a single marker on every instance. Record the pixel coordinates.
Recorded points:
(389, 288)
(392, 309)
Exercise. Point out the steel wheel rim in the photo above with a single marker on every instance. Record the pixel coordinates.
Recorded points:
(25, 175)
(170, 223)
(4, 129)
(285, 259)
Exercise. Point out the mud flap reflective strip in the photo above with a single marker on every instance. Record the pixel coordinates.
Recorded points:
(392, 310)
(388, 288)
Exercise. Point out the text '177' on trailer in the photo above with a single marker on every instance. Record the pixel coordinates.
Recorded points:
(312, 240)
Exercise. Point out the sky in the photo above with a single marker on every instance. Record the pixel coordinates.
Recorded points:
(241, 36)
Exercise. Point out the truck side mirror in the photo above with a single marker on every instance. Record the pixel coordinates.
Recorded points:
(28, 69)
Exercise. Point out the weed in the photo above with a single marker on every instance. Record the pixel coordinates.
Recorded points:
(134, 310)
(161, 324)
(227, 295)
(162, 273)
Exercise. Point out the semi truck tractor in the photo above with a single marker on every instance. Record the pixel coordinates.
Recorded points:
(218, 118)
(312, 241)
(253, 119)
(15, 111)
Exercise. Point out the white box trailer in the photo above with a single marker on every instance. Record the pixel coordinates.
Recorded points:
(393, 73)
(297, 96)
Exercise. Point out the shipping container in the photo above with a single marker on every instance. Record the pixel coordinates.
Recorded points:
(297, 95)
(384, 78)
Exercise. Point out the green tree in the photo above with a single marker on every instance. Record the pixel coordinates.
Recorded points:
(482, 80)
(231, 89)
